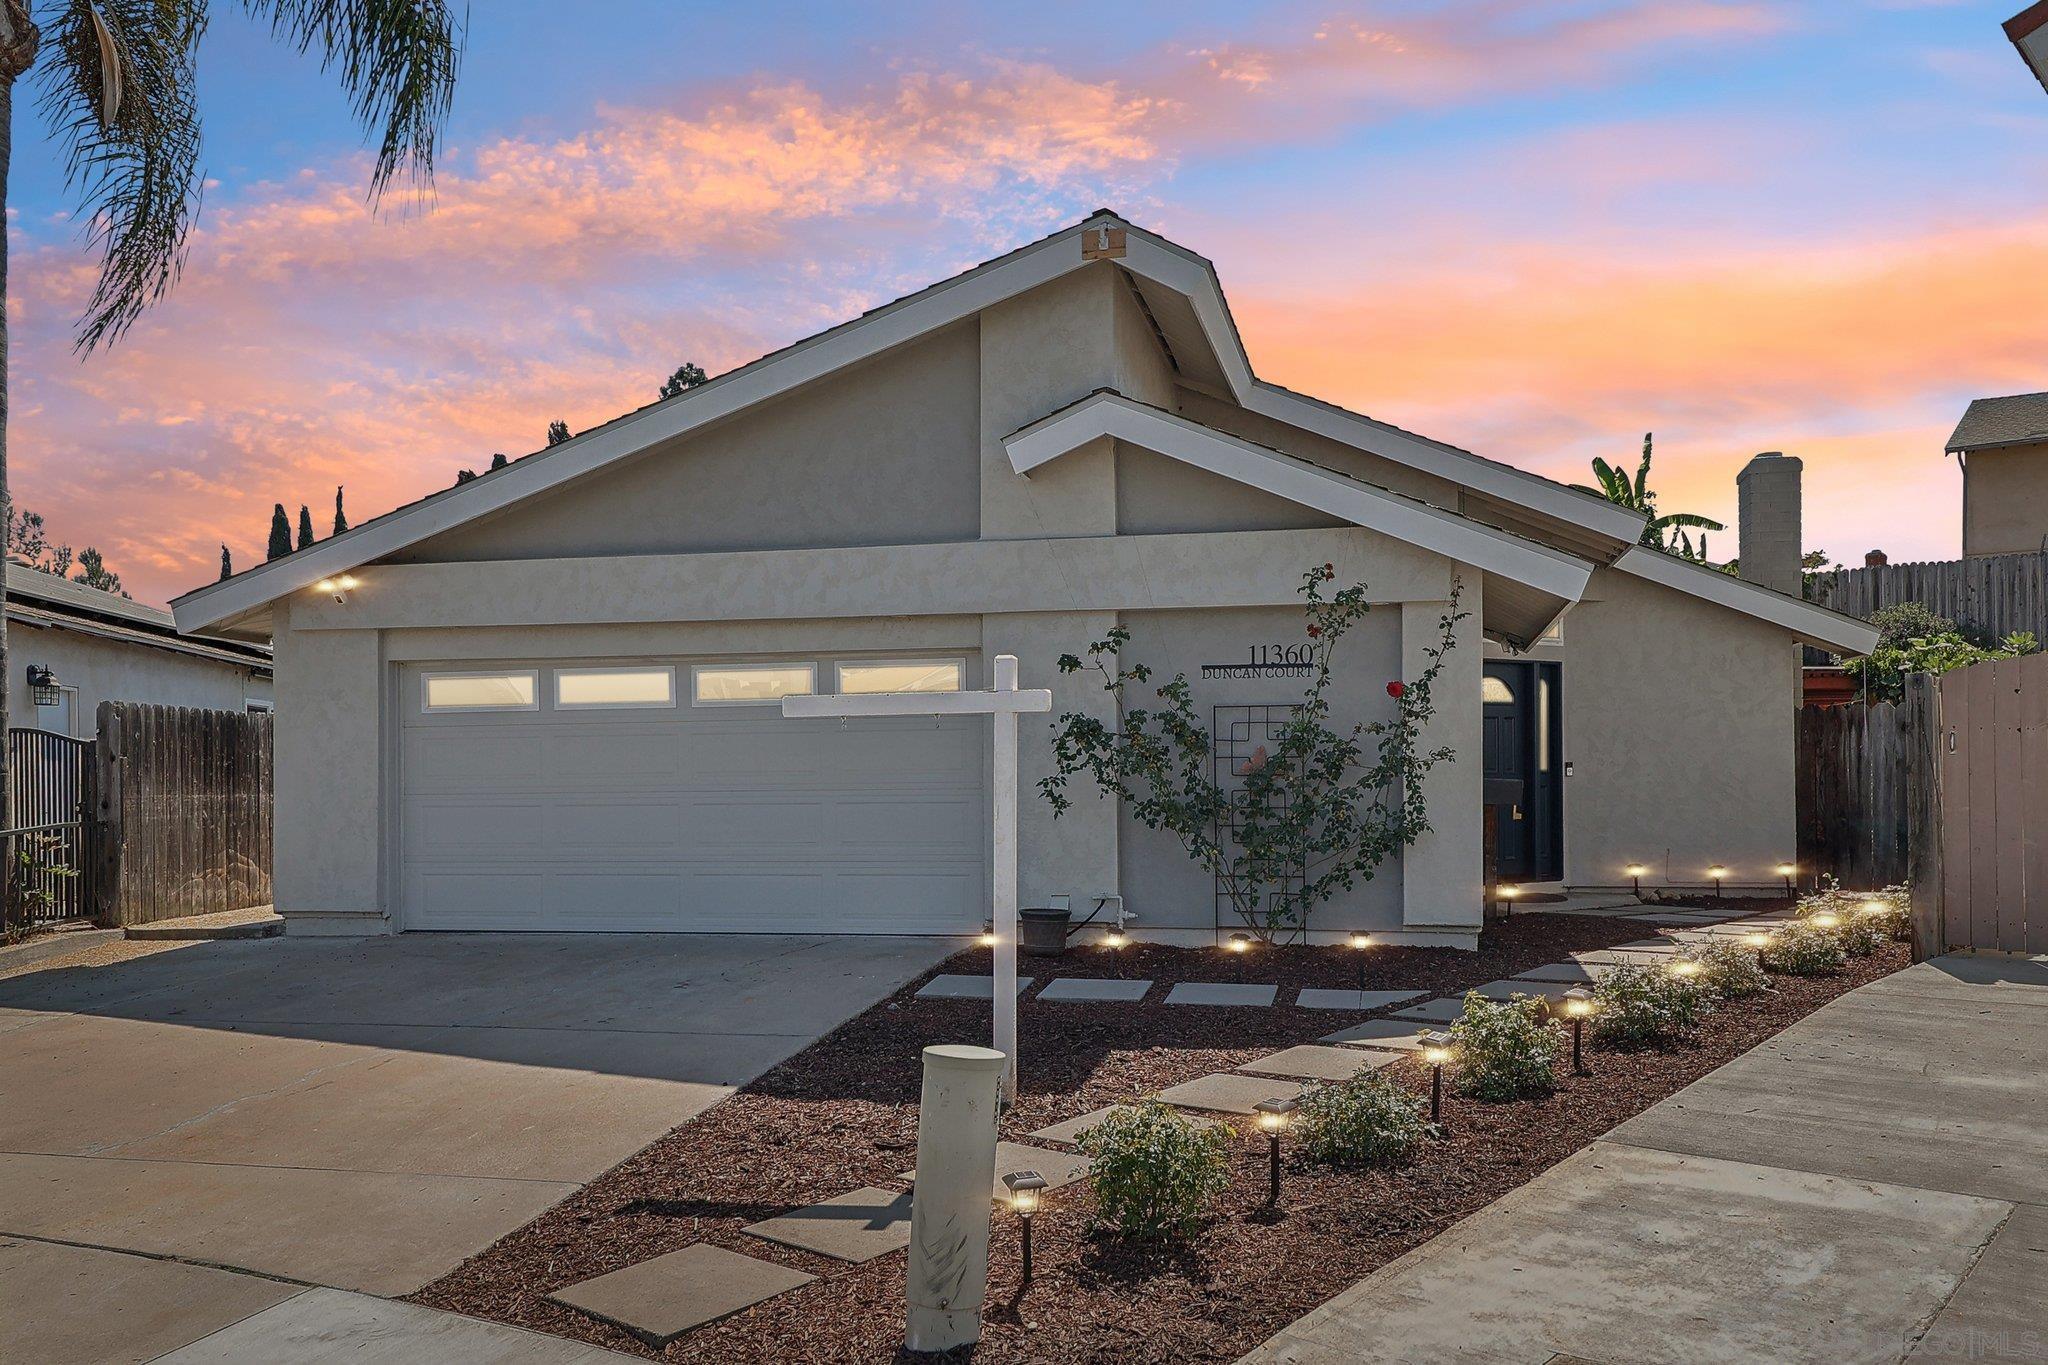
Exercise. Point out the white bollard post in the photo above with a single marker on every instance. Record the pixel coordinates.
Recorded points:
(953, 1199)
(1003, 893)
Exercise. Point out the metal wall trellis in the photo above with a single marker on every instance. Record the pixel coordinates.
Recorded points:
(1239, 738)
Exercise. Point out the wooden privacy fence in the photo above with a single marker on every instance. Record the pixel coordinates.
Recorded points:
(1995, 594)
(1860, 777)
(184, 807)
(1992, 763)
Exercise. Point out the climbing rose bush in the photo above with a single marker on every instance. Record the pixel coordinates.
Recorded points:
(1154, 1171)
(1367, 1121)
(1505, 1050)
(1645, 1007)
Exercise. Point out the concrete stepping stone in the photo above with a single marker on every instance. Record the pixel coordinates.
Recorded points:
(1221, 993)
(1396, 1035)
(951, 986)
(1502, 990)
(1647, 945)
(1568, 973)
(1320, 998)
(1444, 1011)
(853, 1227)
(1085, 988)
(660, 1299)
(1226, 1093)
(1675, 918)
(1310, 1062)
(1070, 1130)
(1060, 1169)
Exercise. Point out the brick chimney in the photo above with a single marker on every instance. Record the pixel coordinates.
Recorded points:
(1767, 521)
(1874, 559)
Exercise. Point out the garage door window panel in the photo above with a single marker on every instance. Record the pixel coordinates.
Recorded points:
(600, 689)
(902, 675)
(750, 684)
(514, 690)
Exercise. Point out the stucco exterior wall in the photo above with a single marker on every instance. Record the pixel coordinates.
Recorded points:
(831, 464)
(1678, 729)
(331, 821)
(2005, 500)
(1039, 352)
(109, 670)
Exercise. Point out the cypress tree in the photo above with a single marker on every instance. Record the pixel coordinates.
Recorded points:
(280, 533)
(340, 517)
(558, 432)
(305, 526)
(227, 565)
(498, 461)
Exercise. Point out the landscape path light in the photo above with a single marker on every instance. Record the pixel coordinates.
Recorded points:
(1578, 1007)
(988, 936)
(1718, 873)
(1359, 941)
(1025, 1188)
(1788, 871)
(1507, 891)
(1683, 967)
(1274, 1118)
(1237, 947)
(1436, 1050)
(1759, 939)
(1872, 908)
(1115, 940)
(1635, 878)
(1826, 919)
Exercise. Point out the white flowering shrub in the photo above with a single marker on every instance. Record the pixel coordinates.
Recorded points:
(1803, 949)
(1863, 920)
(1155, 1171)
(1727, 969)
(1504, 1050)
(1649, 1006)
(1367, 1121)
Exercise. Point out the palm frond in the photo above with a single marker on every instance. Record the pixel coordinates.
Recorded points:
(1643, 474)
(1689, 519)
(397, 60)
(118, 92)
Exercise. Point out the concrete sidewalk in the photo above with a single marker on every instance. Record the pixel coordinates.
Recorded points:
(1871, 1185)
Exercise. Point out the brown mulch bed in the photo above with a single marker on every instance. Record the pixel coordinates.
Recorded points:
(842, 1114)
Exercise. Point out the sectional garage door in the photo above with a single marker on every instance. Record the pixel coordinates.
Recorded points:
(525, 810)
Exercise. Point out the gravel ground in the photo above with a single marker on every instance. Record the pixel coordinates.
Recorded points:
(842, 1114)
(104, 955)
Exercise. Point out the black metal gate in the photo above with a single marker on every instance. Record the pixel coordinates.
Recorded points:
(47, 848)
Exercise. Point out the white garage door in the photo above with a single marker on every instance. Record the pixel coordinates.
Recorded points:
(572, 796)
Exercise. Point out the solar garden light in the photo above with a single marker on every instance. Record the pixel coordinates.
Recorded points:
(1024, 1188)
(1826, 919)
(1635, 878)
(1718, 873)
(1578, 1007)
(1274, 1118)
(988, 935)
(1759, 939)
(1436, 1050)
(1872, 908)
(1359, 941)
(1114, 940)
(1682, 967)
(1788, 871)
(1238, 946)
(1507, 891)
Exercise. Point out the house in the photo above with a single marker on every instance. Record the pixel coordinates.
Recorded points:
(2002, 446)
(547, 698)
(72, 647)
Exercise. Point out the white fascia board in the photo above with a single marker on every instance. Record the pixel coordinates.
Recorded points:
(1298, 481)
(864, 337)
(1816, 625)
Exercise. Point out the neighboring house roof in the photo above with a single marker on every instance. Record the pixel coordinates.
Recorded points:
(44, 600)
(1186, 275)
(2016, 420)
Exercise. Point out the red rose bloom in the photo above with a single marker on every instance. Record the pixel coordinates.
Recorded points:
(1314, 631)
(1397, 689)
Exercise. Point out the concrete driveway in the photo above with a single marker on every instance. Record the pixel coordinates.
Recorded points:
(362, 1114)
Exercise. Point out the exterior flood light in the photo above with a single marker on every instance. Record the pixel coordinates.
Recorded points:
(1578, 1007)
(1024, 1188)
(1274, 1118)
(1436, 1050)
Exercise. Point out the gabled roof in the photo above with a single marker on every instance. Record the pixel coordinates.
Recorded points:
(1557, 578)
(1808, 621)
(1988, 423)
(1146, 256)
(43, 599)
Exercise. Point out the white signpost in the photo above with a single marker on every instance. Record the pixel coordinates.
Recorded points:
(1004, 703)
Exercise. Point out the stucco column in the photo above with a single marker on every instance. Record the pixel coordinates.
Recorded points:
(1443, 873)
(329, 748)
(1077, 853)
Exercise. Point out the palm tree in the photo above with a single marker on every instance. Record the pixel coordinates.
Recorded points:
(1635, 495)
(117, 83)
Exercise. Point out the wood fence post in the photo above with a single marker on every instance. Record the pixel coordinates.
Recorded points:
(1923, 702)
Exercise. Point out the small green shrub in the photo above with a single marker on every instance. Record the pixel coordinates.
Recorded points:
(1803, 949)
(1368, 1121)
(1505, 1051)
(1870, 916)
(1642, 1006)
(1729, 970)
(1154, 1171)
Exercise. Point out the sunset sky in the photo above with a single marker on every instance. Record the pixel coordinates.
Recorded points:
(1532, 228)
